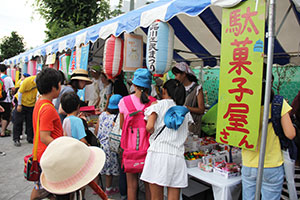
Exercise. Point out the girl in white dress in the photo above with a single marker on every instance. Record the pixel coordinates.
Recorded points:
(167, 121)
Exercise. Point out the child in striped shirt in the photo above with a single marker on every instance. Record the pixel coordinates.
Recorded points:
(165, 165)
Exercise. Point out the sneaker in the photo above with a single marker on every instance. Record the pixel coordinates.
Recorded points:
(112, 191)
(17, 143)
(30, 141)
(2, 153)
(22, 137)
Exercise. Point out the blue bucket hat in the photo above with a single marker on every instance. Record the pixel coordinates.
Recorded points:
(114, 101)
(26, 75)
(142, 78)
(174, 116)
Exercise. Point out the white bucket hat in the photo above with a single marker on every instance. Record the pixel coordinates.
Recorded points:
(68, 165)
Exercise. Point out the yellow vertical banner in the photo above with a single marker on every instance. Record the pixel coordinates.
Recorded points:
(17, 76)
(242, 51)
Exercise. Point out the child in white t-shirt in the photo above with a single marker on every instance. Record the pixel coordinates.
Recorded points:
(167, 121)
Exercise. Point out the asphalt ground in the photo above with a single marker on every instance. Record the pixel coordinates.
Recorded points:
(13, 185)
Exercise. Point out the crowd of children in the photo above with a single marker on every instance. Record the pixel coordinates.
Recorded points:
(152, 131)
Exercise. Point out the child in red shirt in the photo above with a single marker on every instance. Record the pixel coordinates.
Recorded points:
(48, 85)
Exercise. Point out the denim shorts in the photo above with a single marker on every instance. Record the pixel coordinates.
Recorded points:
(271, 183)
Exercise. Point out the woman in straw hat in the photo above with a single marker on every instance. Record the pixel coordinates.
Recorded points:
(68, 165)
(79, 79)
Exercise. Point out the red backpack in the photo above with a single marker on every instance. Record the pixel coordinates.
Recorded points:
(135, 138)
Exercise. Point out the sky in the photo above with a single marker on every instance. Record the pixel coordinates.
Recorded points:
(19, 16)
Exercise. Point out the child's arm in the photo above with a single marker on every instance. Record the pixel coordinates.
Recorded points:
(46, 137)
(150, 122)
(97, 127)
(121, 120)
(287, 126)
(84, 141)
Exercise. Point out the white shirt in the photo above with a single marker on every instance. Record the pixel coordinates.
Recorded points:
(169, 141)
(8, 83)
(92, 91)
(191, 85)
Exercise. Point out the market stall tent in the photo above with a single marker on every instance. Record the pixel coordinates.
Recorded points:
(197, 27)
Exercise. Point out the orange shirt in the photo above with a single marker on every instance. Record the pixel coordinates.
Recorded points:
(49, 121)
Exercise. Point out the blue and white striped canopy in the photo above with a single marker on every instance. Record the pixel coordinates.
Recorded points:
(197, 26)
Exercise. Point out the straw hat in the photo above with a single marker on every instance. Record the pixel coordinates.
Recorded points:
(81, 74)
(68, 164)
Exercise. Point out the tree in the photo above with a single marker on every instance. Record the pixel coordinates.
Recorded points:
(284, 75)
(11, 46)
(64, 17)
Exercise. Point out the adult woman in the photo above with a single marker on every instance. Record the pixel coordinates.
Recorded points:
(105, 92)
(140, 99)
(273, 174)
(79, 79)
(194, 94)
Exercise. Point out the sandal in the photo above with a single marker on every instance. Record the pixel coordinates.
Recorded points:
(6, 134)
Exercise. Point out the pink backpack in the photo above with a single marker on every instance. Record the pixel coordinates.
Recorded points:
(135, 138)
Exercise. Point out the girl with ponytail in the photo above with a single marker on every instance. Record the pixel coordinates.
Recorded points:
(141, 100)
(167, 122)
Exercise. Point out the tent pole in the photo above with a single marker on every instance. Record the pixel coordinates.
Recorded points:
(268, 88)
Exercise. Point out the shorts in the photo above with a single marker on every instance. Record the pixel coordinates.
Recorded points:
(6, 114)
(165, 170)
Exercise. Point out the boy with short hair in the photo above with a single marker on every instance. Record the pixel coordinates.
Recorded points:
(72, 125)
(48, 85)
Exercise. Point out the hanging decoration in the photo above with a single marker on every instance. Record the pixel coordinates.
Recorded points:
(13, 73)
(72, 63)
(84, 56)
(160, 44)
(31, 67)
(113, 56)
(50, 59)
(24, 67)
(8, 71)
(17, 75)
(133, 52)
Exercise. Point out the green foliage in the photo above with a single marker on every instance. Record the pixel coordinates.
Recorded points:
(67, 16)
(11, 46)
(284, 75)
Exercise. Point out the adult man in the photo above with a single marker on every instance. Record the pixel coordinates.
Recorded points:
(26, 100)
(92, 91)
(7, 102)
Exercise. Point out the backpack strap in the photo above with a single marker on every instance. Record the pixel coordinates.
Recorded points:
(130, 106)
(276, 114)
(115, 118)
(161, 130)
(2, 83)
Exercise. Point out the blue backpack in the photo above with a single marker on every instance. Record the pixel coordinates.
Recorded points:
(286, 143)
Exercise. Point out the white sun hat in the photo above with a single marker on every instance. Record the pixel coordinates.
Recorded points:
(68, 164)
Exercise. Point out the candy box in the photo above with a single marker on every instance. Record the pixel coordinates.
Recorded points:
(226, 174)
(192, 163)
(205, 167)
(228, 170)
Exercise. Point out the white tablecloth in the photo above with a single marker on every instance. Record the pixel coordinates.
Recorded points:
(223, 188)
